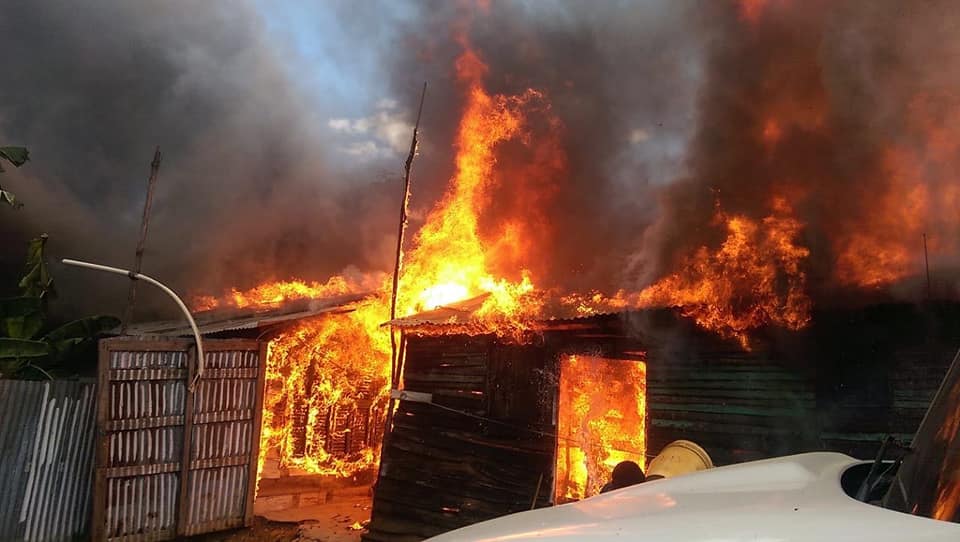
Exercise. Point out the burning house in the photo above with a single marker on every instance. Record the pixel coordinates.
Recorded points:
(323, 411)
(487, 425)
(767, 319)
(729, 222)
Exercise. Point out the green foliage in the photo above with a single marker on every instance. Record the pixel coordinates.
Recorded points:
(21, 317)
(16, 156)
(36, 281)
(73, 337)
(24, 348)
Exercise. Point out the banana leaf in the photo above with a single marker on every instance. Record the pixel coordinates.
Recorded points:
(23, 348)
(21, 317)
(10, 199)
(37, 281)
(15, 155)
(17, 354)
(66, 339)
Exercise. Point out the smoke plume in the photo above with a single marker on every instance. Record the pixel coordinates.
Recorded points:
(664, 110)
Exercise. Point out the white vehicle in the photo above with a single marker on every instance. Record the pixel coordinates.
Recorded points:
(819, 496)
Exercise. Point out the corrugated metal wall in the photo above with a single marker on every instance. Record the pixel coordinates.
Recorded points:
(149, 484)
(46, 459)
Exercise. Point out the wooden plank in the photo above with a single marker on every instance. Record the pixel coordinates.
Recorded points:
(129, 424)
(141, 470)
(720, 409)
(129, 344)
(255, 448)
(183, 500)
(216, 462)
(101, 453)
(218, 416)
(426, 379)
(117, 375)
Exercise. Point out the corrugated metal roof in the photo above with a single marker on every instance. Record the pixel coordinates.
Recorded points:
(463, 313)
(452, 314)
(218, 320)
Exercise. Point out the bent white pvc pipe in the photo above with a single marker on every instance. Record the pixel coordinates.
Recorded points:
(168, 291)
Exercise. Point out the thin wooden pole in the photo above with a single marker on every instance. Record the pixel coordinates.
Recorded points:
(141, 243)
(536, 493)
(394, 369)
(398, 262)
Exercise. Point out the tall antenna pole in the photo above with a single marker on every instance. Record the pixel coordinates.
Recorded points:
(141, 243)
(408, 165)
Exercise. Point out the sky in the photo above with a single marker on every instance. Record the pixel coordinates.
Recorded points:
(336, 61)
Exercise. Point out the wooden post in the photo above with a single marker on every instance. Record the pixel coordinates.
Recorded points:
(255, 449)
(408, 165)
(183, 500)
(98, 523)
(394, 372)
(144, 226)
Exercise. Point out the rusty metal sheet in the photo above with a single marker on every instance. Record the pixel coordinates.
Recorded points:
(174, 462)
(233, 319)
(46, 454)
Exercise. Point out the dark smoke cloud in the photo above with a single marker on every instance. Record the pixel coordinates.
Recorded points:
(621, 78)
(843, 79)
(249, 188)
(661, 105)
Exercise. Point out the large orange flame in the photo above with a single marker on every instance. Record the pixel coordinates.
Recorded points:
(325, 372)
(755, 278)
(597, 431)
(918, 195)
(450, 261)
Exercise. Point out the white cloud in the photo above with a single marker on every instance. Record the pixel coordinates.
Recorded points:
(387, 131)
(339, 125)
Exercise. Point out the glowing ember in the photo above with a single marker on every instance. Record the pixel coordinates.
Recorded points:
(597, 431)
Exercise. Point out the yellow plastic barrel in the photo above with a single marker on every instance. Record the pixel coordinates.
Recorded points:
(679, 457)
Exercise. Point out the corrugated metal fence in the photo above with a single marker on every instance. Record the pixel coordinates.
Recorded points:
(46, 458)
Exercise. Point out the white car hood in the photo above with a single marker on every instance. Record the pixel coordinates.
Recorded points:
(796, 498)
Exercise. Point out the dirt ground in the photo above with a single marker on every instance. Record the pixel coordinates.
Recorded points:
(340, 520)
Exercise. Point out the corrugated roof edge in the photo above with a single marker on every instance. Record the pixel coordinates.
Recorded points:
(219, 320)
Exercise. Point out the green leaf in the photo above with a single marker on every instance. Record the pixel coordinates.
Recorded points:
(21, 317)
(23, 348)
(15, 155)
(85, 328)
(9, 198)
(37, 281)
(71, 338)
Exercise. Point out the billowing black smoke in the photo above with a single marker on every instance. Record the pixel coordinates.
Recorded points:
(673, 109)
(244, 194)
(666, 109)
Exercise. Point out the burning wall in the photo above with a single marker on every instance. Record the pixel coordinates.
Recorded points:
(596, 431)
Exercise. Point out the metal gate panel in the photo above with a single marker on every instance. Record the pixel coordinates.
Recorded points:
(171, 461)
